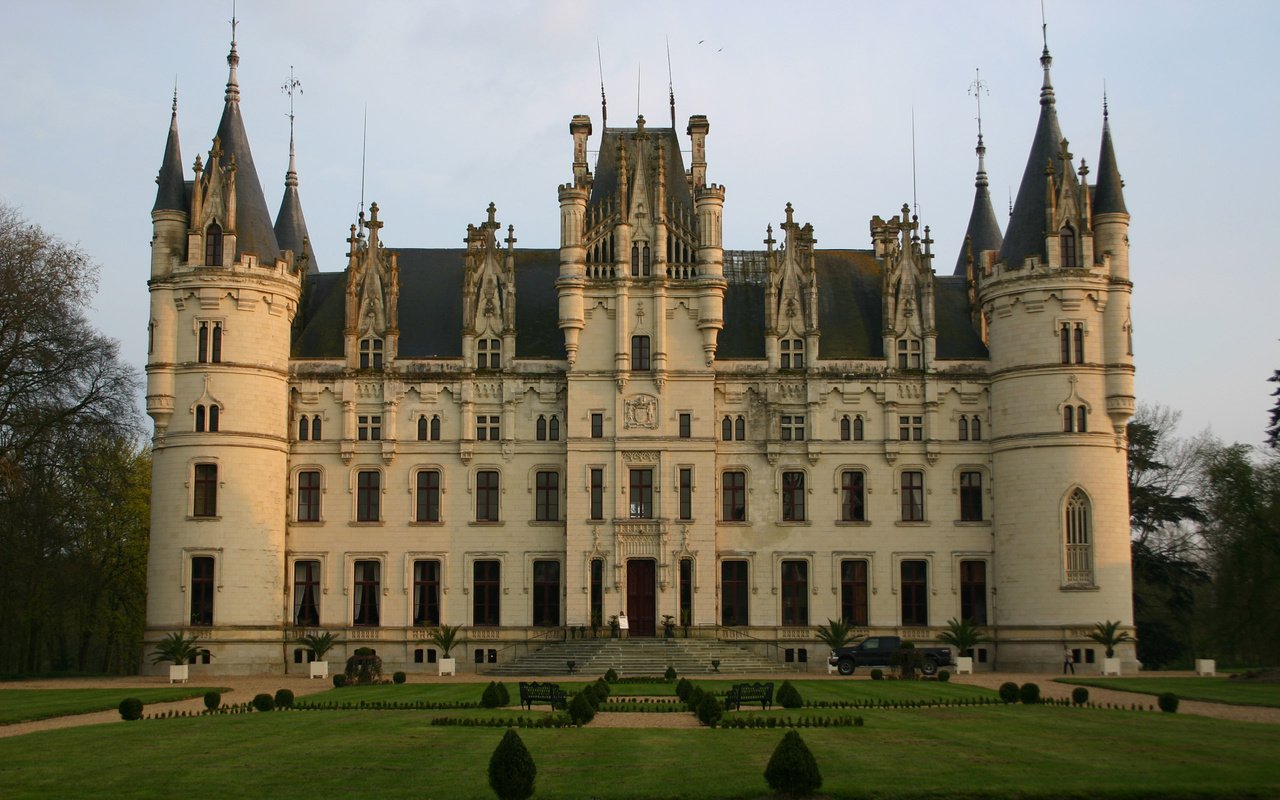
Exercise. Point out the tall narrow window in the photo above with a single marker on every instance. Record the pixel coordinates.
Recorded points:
(597, 592)
(309, 496)
(726, 429)
(1079, 341)
(639, 353)
(686, 493)
(371, 353)
(795, 592)
(365, 597)
(909, 354)
(733, 593)
(857, 428)
(641, 494)
(486, 589)
(541, 429)
(915, 593)
(428, 496)
(1064, 342)
(304, 429)
(546, 593)
(553, 428)
(975, 429)
(1068, 247)
(644, 261)
(547, 496)
(487, 496)
(426, 593)
(971, 496)
(1082, 424)
(853, 496)
(1068, 419)
(315, 428)
(202, 590)
(423, 428)
(200, 424)
(793, 496)
(213, 245)
(597, 493)
(912, 496)
(686, 591)
(846, 428)
(686, 426)
(488, 354)
(635, 260)
(368, 496)
(740, 428)
(964, 429)
(215, 343)
(973, 592)
(205, 491)
(209, 343)
(214, 413)
(1078, 540)
(435, 428)
(733, 495)
(792, 353)
(306, 593)
(853, 592)
(597, 425)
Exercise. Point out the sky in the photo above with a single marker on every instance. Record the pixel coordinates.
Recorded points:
(436, 109)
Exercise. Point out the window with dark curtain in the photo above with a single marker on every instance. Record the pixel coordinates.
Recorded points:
(733, 593)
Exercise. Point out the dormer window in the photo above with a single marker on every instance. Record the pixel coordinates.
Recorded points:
(489, 354)
(213, 245)
(792, 354)
(1067, 247)
(909, 354)
(371, 353)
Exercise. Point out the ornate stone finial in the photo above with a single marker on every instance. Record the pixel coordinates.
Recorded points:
(640, 122)
(1084, 169)
(233, 61)
(493, 210)
(769, 241)
(198, 167)
(511, 237)
(790, 215)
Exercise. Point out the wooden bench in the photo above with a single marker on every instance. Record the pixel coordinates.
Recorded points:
(761, 693)
(542, 694)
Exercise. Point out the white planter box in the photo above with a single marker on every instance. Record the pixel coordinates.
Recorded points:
(1206, 666)
(964, 665)
(319, 669)
(1110, 666)
(178, 673)
(448, 666)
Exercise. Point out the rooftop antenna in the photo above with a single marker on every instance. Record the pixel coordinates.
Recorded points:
(671, 87)
(291, 87)
(364, 148)
(604, 104)
(1105, 113)
(913, 162)
(1044, 27)
(637, 88)
(976, 89)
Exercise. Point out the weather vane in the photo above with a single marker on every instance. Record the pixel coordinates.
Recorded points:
(291, 87)
(977, 89)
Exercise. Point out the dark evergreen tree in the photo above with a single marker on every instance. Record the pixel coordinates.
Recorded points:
(511, 768)
(1273, 430)
(792, 768)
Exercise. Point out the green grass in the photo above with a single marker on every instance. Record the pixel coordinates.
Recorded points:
(1212, 690)
(23, 705)
(989, 752)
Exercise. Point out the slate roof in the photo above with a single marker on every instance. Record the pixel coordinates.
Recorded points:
(291, 225)
(254, 231)
(1025, 234)
(983, 231)
(171, 189)
(1108, 196)
(605, 179)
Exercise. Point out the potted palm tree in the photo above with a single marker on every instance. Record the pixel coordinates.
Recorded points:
(963, 635)
(835, 634)
(318, 644)
(446, 637)
(1108, 634)
(178, 651)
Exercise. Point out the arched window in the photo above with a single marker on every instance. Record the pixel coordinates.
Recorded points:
(541, 428)
(726, 429)
(1068, 419)
(199, 419)
(1081, 421)
(857, 428)
(303, 429)
(213, 245)
(964, 429)
(1064, 342)
(553, 428)
(422, 427)
(435, 428)
(213, 417)
(315, 428)
(1079, 542)
(975, 429)
(846, 429)
(635, 260)
(644, 264)
(1067, 247)
(740, 429)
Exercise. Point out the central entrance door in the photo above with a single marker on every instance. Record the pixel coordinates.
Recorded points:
(641, 593)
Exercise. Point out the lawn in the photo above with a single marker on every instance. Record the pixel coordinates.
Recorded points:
(22, 705)
(1212, 690)
(988, 752)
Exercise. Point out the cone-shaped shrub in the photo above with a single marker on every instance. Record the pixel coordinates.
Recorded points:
(602, 689)
(264, 702)
(490, 698)
(284, 698)
(792, 769)
(1079, 695)
(589, 691)
(131, 708)
(683, 687)
(1168, 702)
(580, 710)
(670, 674)
(695, 698)
(710, 710)
(511, 768)
(789, 696)
(611, 675)
(1029, 693)
(212, 700)
(504, 696)
(1009, 692)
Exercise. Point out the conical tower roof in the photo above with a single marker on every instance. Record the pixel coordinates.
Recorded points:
(1108, 195)
(171, 191)
(254, 231)
(291, 226)
(983, 232)
(1025, 235)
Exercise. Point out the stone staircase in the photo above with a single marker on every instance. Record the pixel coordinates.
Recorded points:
(632, 657)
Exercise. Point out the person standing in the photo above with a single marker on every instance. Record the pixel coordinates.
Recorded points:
(1068, 661)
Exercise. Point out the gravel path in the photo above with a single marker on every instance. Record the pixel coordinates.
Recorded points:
(243, 689)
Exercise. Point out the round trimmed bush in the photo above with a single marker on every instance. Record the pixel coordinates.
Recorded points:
(1079, 695)
(212, 700)
(580, 710)
(339, 680)
(1029, 693)
(611, 675)
(1009, 692)
(399, 678)
(131, 709)
(1168, 702)
(264, 702)
(511, 768)
(792, 769)
(670, 674)
(788, 696)
(284, 698)
(710, 710)
(877, 674)
(944, 675)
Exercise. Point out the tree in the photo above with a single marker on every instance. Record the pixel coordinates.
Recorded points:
(963, 635)
(511, 769)
(792, 769)
(835, 634)
(1273, 430)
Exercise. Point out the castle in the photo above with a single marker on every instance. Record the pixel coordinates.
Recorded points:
(643, 422)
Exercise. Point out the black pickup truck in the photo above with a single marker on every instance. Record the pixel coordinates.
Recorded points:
(877, 651)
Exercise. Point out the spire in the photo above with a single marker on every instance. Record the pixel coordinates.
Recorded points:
(1025, 235)
(254, 233)
(983, 232)
(291, 225)
(171, 192)
(1108, 195)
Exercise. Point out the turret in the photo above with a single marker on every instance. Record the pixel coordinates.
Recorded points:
(983, 232)
(291, 225)
(171, 212)
(1111, 241)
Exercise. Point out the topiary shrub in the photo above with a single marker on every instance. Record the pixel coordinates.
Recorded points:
(580, 710)
(1009, 692)
(490, 698)
(398, 678)
(1029, 693)
(944, 675)
(589, 691)
(710, 710)
(212, 700)
(504, 696)
(877, 674)
(131, 709)
(602, 689)
(683, 687)
(364, 666)
(611, 675)
(1079, 695)
(511, 768)
(695, 698)
(339, 681)
(1168, 702)
(264, 702)
(284, 698)
(670, 674)
(792, 769)
(788, 696)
